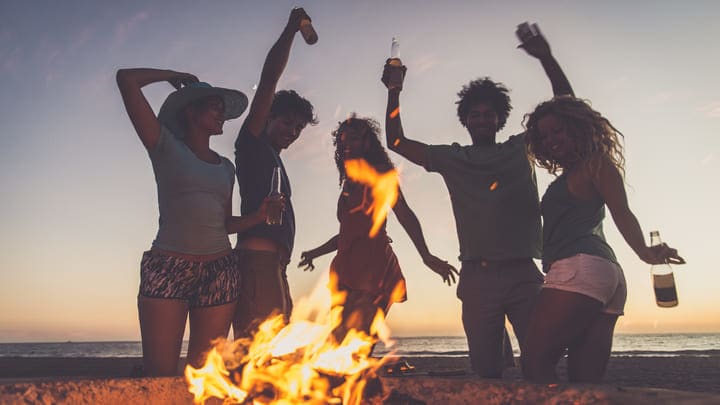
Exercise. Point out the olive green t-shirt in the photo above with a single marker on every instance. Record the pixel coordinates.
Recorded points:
(494, 196)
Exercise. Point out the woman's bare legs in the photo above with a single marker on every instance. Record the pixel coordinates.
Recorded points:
(559, 319)
(206, 325)
(588, 355)
(162, 325)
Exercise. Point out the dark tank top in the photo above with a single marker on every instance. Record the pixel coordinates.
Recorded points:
(571, 225)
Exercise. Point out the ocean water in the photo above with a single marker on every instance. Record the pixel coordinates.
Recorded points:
(623, 345)
(668, 345)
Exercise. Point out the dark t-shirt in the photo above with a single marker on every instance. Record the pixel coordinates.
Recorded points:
(255, 160)
(494, 196)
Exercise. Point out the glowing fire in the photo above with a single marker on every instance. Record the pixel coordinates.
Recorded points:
(384, 189)
(394, 113)
(297, 362)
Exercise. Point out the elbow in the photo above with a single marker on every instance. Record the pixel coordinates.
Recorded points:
(393, 143)
(121, 76)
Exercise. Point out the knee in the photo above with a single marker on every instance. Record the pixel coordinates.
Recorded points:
(535, 366)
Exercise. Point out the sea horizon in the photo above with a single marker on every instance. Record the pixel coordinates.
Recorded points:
(624, 344)
(392, 337)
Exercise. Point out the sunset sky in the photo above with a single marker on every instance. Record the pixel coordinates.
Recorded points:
(79, 204)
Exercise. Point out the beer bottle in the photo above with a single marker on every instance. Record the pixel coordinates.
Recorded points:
(274, 207)
(396, 73)
(663, 279)
(308, 31)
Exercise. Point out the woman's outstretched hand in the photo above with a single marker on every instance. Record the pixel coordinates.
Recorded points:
(306, 261)
(441, 267)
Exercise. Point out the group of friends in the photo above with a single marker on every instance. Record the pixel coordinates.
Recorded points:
(192, 269)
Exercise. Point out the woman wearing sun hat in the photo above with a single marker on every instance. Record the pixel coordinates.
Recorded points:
(190, 268)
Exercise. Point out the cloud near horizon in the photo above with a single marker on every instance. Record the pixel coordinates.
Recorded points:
(711, 110)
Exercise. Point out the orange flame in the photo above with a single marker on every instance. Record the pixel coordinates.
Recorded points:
(298, 362)
(384, 189)
(212, 380)
(493, 186)
(394, 113)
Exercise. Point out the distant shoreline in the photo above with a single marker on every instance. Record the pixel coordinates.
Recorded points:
(624, 345)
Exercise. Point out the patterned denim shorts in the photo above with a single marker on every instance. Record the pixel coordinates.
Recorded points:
(202, 284)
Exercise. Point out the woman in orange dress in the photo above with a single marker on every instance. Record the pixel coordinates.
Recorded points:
(366, 267)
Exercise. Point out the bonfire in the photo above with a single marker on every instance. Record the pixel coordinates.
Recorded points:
(304, 360)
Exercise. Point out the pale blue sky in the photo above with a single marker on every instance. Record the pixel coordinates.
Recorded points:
(79, 203)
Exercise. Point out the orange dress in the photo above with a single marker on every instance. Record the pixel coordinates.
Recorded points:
(365, 264)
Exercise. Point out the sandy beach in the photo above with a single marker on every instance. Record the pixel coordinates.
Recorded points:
(686, 373)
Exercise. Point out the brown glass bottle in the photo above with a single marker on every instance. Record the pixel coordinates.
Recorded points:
(663, 279)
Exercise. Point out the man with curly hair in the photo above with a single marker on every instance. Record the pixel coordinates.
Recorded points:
(274, 122)
(494, 196)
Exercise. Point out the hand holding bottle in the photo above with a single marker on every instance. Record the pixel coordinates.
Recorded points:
(394, 71)
(532, 40)
(660, 254)
(275, 201)
(301, 21)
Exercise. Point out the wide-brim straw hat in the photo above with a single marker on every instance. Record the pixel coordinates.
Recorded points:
(235, 104)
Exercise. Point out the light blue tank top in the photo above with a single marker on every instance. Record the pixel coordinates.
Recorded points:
(192, 196)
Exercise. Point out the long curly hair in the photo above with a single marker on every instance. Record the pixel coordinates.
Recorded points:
(376, 155)
(596, 139)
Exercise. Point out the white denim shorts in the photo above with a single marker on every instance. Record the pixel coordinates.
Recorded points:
(593, 276)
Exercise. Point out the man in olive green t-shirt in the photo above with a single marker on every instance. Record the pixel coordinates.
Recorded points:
(494, 196)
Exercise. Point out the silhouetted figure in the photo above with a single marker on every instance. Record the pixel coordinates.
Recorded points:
(585, 289)
(366, 267)
(274, 122)
(190, 267)
(494, 197)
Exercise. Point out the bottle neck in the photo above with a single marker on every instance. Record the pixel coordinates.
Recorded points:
(275, 182)
(655, 239)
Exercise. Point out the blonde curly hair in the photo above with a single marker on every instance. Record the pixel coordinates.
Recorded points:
(596, 139)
